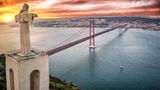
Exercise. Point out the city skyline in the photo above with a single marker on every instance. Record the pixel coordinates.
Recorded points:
(81, 8)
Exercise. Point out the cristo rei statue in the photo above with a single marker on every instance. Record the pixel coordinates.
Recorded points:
(25, 18)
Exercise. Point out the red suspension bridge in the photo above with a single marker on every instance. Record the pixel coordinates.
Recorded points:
(91, 38)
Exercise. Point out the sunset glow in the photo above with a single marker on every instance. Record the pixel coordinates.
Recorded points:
(8, 18)
(81, 8)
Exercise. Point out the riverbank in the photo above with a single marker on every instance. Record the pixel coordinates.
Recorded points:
(58, 84)
(147, 29)
(54, 84)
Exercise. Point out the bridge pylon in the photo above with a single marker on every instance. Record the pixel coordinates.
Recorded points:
(120, 28)
(92, 35)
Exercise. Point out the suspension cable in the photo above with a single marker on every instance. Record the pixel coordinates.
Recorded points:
(71, 37)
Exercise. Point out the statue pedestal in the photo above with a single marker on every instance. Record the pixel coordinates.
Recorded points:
(27, 72)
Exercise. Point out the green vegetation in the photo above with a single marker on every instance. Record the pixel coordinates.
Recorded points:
(58, 84)
(54, 84)
(2, 73)
(2, 59)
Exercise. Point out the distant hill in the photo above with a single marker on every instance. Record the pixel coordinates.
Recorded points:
(82, 21)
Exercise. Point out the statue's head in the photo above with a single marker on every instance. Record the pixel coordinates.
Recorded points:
(25, 8)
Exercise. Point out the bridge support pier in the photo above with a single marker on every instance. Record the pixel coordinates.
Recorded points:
(92, 35)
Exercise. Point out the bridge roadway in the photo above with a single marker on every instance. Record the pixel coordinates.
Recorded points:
(61, 48)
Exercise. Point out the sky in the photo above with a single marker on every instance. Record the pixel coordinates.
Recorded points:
(80, 8)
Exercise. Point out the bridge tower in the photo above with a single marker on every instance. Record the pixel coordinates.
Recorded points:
(92, 35)
(120, 28)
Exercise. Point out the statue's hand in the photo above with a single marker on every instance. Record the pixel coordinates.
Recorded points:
(34, 14)
(17, 18)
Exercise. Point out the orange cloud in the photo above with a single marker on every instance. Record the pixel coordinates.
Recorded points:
(13, 2)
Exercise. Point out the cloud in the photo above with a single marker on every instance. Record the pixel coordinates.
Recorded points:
(2, 12)
(14, 2)
(155, 4)
(103, 12)
(72, 2)
(71, 8)
(1, 3)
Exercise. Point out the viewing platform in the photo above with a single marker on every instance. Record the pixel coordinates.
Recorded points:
(16, 54)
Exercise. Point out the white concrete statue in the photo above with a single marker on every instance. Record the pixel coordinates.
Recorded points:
(25, 18)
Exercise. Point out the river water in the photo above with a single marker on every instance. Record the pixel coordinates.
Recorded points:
(98, 69)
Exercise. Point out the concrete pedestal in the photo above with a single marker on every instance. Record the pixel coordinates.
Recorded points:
(27, 72)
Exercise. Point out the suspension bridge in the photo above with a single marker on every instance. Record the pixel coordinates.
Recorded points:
(91, 38)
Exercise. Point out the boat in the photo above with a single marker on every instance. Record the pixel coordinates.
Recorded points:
(121, 66)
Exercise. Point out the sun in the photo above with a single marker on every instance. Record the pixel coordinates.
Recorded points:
(8, 18)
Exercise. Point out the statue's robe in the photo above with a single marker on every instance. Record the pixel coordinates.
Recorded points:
(25, 19)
